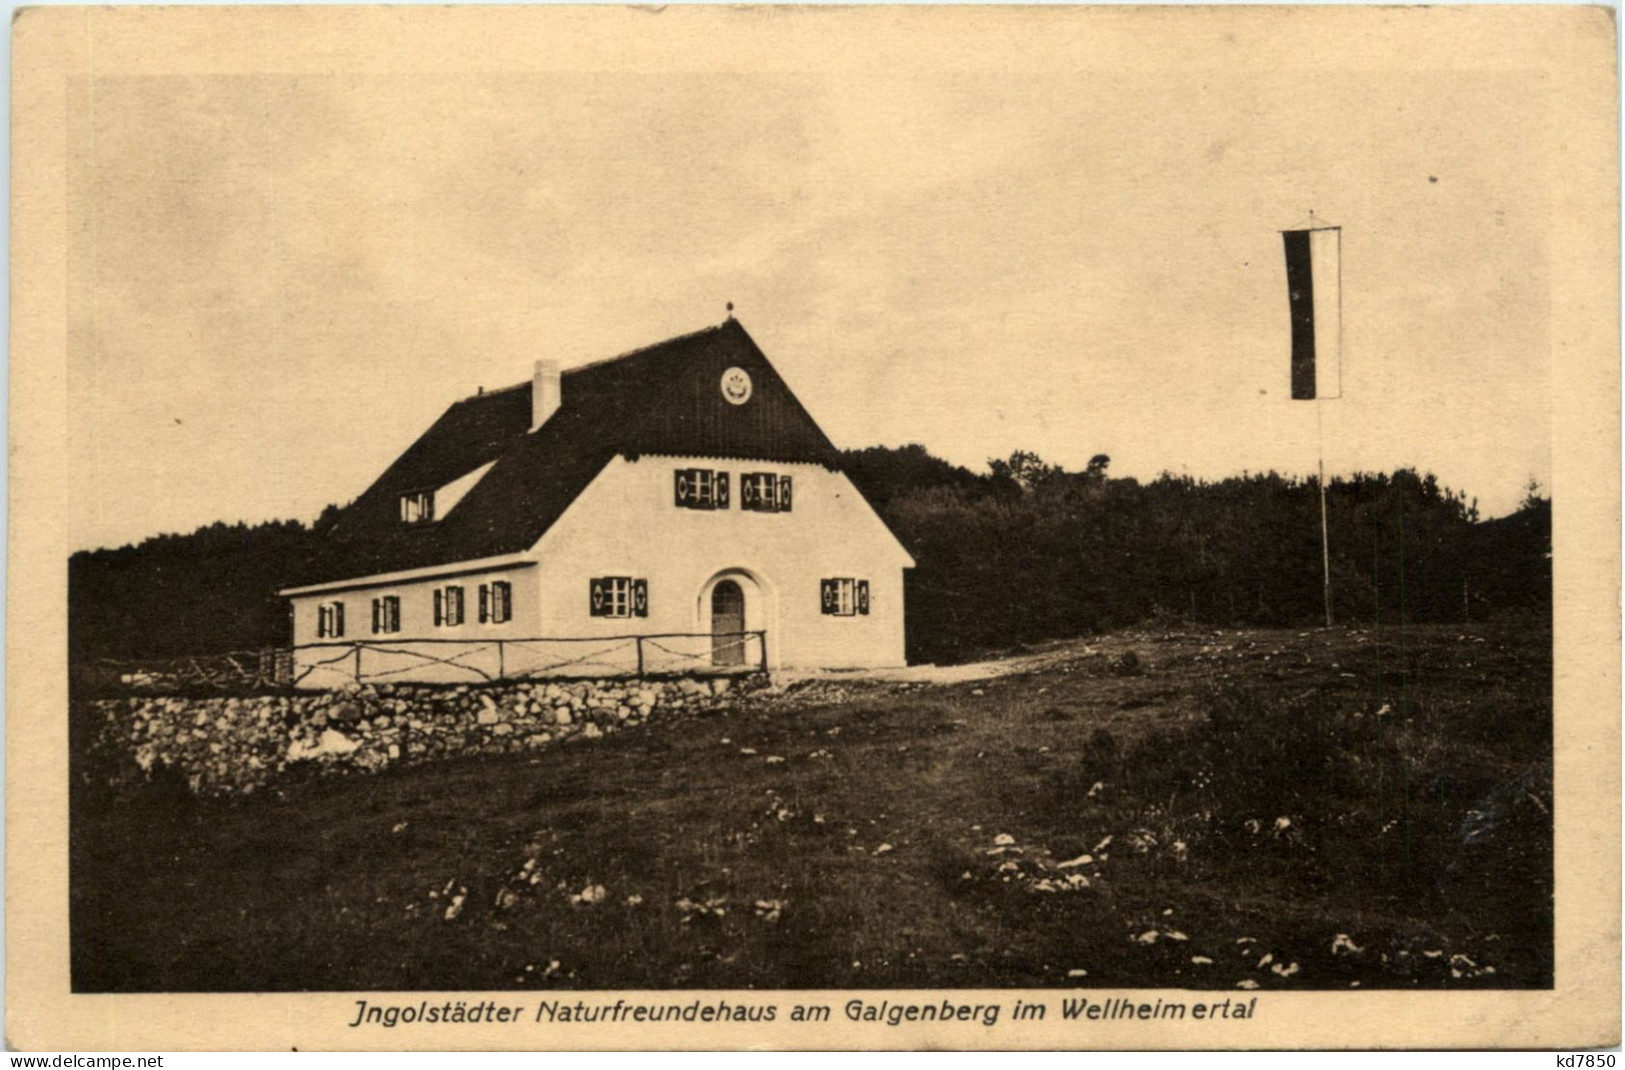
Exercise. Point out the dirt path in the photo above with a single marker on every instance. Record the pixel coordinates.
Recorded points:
(951, 674)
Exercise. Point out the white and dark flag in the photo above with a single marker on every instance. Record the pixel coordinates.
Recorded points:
(1313, 270)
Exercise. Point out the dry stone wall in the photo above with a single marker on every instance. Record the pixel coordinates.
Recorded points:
(238, 745)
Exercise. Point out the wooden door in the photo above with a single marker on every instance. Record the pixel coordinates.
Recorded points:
(727, 622)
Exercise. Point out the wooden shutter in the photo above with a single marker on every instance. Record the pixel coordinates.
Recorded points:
(439, 607)
(719, 490)
(376, 605)
(784, 494)
(502, 597)
(684, 487)
(454, 605)
(863, 597)
(392, 608)
(338, 620)
(640, 598)
(485, 602)
(748, 497)
(600, 597)
(827, 593)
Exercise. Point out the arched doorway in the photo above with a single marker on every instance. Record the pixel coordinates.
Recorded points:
(727, 624)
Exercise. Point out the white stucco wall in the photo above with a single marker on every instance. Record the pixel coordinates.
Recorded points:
(417, 622)
(627, 524)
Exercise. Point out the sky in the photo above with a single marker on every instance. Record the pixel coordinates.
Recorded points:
(277, 281)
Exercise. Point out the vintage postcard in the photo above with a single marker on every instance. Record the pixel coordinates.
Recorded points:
(813, 527)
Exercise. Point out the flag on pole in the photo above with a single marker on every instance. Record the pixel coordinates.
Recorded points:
(1314, 266)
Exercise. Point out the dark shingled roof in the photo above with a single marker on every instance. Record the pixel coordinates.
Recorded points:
(664, 399)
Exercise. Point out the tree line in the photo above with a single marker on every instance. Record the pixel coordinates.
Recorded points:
(1032, 551)
(1022, 552)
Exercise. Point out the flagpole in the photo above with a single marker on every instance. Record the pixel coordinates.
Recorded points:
(1325, 542)
(1307, 369)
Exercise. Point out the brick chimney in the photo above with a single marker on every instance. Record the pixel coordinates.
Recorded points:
(544, 393)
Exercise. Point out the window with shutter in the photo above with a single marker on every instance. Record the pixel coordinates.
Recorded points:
(700, 488)
(386, 615)
(330, 620)
(448, 606)
(844, 597)
(620, 596)
(764, 492)
(501, 602)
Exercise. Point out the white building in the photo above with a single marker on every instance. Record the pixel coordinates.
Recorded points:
(672, 509)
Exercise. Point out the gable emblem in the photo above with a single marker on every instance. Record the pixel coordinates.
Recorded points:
(736, 385)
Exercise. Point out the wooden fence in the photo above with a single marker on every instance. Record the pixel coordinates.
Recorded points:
(338, 663)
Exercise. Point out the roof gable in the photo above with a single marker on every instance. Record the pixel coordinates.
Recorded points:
(663, 399)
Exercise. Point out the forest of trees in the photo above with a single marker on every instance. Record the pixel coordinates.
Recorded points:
(1032, 551)
(1023, 552)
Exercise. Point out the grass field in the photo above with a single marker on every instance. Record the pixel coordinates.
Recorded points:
(1278, 809)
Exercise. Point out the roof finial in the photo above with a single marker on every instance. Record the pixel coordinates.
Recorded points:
(730, 310)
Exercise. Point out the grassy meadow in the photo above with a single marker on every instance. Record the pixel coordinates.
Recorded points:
(1279, 809)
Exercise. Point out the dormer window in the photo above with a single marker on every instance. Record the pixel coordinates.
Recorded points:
(427, 506)
(417, 507)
